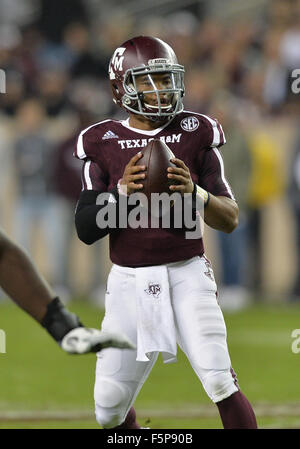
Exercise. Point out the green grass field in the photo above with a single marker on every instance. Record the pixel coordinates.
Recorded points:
(42, 387)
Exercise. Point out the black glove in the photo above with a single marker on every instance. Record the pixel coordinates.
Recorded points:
(66, 328)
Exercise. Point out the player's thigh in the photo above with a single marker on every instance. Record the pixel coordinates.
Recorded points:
(120, 305)
(120, 316)
(199, 320)
(119, 377)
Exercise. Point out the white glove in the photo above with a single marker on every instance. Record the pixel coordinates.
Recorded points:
(82, 340)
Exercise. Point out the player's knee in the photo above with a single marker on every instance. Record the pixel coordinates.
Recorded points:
(107, 419)
(111, 399)
(219, 385)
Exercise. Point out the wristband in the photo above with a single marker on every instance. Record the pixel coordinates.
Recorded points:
(203, 194)
(58, 321)
(121, 188)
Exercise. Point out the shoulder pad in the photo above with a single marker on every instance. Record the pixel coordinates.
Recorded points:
(88, 142)
(209, 129)
(215, 134)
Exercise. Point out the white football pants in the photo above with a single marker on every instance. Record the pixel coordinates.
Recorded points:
(201, 334)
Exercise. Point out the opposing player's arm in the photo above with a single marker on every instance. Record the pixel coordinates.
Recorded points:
(20, 279)
(24, 284)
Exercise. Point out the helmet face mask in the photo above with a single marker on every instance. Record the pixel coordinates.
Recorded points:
(153, 86)
(167, 100)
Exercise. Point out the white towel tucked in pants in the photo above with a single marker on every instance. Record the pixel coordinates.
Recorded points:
(155, 320)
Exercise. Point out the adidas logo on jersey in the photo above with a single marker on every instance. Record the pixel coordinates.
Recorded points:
(110, 135)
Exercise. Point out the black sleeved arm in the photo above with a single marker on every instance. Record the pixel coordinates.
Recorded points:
(86, 212)
(94, 183)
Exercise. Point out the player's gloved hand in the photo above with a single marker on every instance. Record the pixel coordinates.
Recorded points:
(66, 328)
(84, 339)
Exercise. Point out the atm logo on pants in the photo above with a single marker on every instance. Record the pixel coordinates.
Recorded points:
(154, 290)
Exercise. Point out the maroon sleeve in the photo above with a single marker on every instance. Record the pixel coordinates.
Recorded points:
(87, 146)
(93, 177)
(212, 132)
(212, 175)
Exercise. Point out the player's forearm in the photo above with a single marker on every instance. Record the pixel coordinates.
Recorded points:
(21, 281)
(221, 213)
(90, 226)
(86, 225)
(86, 213)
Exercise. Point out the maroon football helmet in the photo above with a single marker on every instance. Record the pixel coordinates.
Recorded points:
(146, 56)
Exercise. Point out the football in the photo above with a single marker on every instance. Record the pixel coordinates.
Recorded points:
(156, 157)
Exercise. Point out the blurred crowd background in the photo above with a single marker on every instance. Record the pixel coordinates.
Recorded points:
(239, 57)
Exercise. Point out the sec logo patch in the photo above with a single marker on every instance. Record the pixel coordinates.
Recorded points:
(189, 123)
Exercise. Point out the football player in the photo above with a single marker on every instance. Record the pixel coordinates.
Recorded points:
(24, 284)
(157, 271)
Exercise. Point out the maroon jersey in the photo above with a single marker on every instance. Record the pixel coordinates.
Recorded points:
(107, 147)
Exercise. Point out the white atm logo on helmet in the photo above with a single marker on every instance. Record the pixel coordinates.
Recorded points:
(116, 62)
(189, 123)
